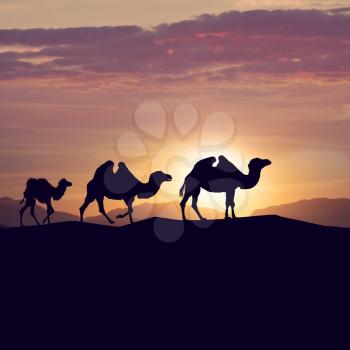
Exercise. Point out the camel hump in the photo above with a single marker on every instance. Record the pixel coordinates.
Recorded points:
(204, 163)
(124, 174)
(122, 165)
(101, 170)
(31, 181)
(203, 166)
(122, 181)
(225, 165)
(38, 182)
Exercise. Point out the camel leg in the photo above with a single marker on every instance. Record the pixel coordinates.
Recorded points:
(183, 204)
(233, 212)
(50, 211)
(102, 209)
(88, 200)
(191, 187)
(22, 210)
(227, 204)
(32, 212)
(130, 208)
(91, 192)
(230, 202)
(233, 205)
(194, 203)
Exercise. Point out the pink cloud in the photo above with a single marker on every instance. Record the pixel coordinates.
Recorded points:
(219, 35)
(260, 42)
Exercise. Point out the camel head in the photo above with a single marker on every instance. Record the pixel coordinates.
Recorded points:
(159, 177)
(61, 189)
(152, 187)
(64, 183)
(258, 164)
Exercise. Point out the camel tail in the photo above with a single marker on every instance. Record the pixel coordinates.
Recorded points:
(24, 197)
(182, 190)
(122, 215)
(29, 183)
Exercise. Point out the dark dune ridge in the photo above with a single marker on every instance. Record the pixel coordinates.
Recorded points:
(260, 237)
(264, 272)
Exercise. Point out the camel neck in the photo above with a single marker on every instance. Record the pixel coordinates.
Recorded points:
(152, 185)
(149, 189)
(59, 192)
(251, 179)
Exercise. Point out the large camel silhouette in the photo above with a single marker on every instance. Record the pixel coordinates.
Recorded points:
(122, 185)
(225, 177)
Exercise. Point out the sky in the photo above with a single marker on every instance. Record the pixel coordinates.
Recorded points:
(77, 76)
(80, 13)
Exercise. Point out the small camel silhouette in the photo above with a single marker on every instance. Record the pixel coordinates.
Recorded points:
(43, 191)
(122, 185)
(225, 177)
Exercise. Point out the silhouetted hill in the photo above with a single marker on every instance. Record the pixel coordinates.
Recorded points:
(323, 211)
(145, 230)
(269, 272)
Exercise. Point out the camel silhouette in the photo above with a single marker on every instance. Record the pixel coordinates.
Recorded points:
(43, 191)
(225, 177)
(122, 185)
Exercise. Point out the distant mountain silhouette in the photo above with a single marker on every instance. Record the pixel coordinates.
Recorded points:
(9, 214)
(323, 211)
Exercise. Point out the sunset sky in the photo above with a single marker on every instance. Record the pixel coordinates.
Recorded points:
(74, 74)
